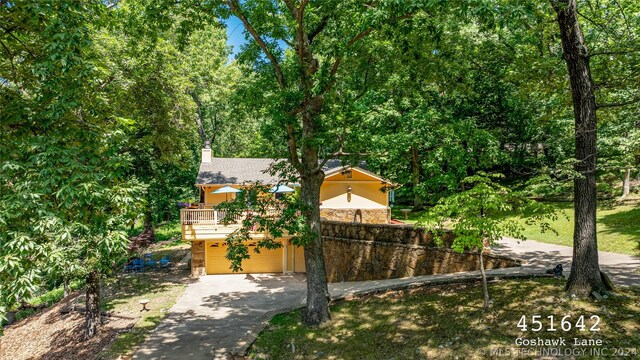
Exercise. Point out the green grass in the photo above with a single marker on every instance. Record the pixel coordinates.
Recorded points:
(618, 227)
(169, 231)
(160, 288)
(447, 322)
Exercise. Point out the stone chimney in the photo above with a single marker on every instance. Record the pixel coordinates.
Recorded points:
(206, 152)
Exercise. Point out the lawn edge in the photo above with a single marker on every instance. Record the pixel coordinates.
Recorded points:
(245, 343)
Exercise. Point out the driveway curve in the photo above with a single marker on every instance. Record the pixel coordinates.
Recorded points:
(623, 269)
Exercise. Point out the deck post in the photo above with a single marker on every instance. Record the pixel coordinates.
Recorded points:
(284, 257)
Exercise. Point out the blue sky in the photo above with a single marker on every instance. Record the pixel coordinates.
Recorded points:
(235, 34)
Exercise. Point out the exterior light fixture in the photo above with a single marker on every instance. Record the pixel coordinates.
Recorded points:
(349, 193)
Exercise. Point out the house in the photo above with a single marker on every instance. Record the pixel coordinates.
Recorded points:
(351, 194)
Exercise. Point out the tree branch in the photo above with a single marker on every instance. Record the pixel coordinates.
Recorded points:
(8, 32)
(624, 16)
(293, 149)
(234, 6)
(332, 75)
(595, 23)
(620, 104)
(615, 52)
(323, 23)
(9, 55)
(355, 39)
(337, 154)
(199, 116)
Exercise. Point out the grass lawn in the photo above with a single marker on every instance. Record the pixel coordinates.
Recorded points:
(171, 230)
(448, 322)
(618, 227)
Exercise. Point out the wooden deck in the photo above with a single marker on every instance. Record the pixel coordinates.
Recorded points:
(210, 224)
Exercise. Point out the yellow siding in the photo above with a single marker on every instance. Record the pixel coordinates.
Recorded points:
(215, 199)
(364, 195)
(355, 176)
(295, 258)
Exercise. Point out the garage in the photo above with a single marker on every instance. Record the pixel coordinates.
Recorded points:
(268, 261)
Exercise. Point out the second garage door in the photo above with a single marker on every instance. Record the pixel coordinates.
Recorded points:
(267, 261)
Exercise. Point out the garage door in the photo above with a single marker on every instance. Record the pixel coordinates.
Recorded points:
(266, 262)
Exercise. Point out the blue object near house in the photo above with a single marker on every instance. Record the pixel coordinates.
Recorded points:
(149, 261)
(165, 262)
(135, 265)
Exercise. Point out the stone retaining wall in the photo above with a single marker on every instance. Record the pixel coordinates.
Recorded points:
(357, 252)
(399, 234)
(371, 216)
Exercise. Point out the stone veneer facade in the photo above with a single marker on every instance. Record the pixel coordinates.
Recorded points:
(357, 252)
(197, 259)
(369, 216)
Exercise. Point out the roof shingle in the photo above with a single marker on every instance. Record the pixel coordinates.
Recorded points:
(242, 170)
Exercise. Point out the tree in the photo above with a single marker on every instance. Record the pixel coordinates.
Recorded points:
(455, 99)
(477, 217)
(300, 83)
(619, 151)
(585, 269)
(151, 75)
(62, 184)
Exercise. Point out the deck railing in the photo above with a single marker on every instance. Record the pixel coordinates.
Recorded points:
(213, 217)
(207, 217)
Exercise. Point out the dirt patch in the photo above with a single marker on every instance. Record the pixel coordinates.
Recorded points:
(53, 335)
(144, 239)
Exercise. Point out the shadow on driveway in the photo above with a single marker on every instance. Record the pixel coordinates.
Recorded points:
(216, 312)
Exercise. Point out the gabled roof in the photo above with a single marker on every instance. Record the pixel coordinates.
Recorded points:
(240, 170)
(235, 171)
(341, 169)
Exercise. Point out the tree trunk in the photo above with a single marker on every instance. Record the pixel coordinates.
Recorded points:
(317, 310)
(585, 269)
(415, 179)
(92, 315)
(10, 317)
(65, 287)
(626, 182)
(485, 285)
(311, 178)
(199, 116)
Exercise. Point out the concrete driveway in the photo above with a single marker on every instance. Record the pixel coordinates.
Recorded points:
(219, 313)
(215, 314)
(623, 269)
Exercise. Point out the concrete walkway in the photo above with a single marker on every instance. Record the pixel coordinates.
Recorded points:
(623, 269)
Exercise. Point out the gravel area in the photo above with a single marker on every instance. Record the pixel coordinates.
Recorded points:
(50, 334)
